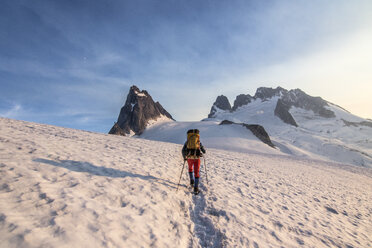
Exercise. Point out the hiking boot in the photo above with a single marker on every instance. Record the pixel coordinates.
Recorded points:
(196, 190)
(192, 182)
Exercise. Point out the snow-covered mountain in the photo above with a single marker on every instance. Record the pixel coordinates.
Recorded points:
(62, 187)
(303, 125)
(138, 112)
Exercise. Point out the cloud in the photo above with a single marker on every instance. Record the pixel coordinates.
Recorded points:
(14, 112)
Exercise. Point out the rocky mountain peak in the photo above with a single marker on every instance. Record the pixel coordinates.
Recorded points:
(138, 110)
(265, 93)
(242, 100)
(221, 103)
(286, 100)
(134, 94)
(135, 91)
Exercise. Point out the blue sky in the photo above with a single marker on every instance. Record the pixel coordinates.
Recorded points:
(71, 63)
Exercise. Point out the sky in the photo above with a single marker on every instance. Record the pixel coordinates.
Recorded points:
(71, 63)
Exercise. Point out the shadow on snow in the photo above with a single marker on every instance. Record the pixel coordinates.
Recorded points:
(87, 167)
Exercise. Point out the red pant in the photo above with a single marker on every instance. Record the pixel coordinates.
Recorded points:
(196, 164)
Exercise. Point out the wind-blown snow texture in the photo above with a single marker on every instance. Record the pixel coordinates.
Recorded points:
(68, 188)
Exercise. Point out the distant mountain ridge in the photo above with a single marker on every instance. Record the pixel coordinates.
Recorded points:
(139, 109)
(287, 99)
(300, 124)
(272, 121)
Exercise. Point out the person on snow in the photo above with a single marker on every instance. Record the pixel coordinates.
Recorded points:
(191, 152)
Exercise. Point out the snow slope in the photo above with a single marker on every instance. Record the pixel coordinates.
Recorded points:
(316, 137)
(68, 188)
(213, 135)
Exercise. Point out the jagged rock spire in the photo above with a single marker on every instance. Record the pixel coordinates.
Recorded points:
(138, 110)
(221, 103)
(242, 100)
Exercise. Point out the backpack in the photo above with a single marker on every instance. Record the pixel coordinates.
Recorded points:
(193, 142)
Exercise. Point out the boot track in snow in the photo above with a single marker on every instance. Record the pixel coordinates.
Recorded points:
(205, 231)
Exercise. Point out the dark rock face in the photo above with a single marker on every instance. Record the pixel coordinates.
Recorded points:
(221, 103)
(117, 130)
(258, 130)
(138, 109)
(300, 99)
(282, 111)
(358, 124)
(265, 93)
(226, 122)
(242, 100)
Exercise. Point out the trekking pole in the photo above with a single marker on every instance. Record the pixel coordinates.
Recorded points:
(205, 167)
(181, 175)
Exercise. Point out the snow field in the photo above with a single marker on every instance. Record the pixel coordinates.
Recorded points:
(278, 202)
(213, 135)
(68, 188)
